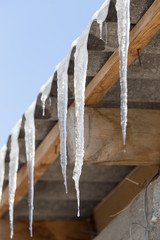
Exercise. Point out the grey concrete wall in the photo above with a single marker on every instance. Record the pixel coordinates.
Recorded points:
(119, 228)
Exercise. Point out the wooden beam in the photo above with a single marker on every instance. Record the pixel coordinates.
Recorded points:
(48, 150)
(140, 36)
(52, 230)
(103, 137)
(118, 200)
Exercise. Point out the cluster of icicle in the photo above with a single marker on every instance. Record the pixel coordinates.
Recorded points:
(29, 128)
(80, 71)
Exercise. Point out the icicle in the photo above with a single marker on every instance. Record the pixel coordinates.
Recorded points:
(13, 168)
(80, 71)
(62, 93)
(123, 13)
(106, 30)
(101, 15)
(101, 30)
(50, 101)
(2, 167)
(29, 127)
(45, 90)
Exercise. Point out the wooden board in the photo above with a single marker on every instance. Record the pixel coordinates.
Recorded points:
(123, 195)
(103, 137)
(48, 151)
(42, 230)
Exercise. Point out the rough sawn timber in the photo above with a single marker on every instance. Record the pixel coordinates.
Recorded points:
(48, 150)
(118, 200)
(103, 137)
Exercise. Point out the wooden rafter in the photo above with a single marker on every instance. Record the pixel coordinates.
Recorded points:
(48, 151)
(118, 200)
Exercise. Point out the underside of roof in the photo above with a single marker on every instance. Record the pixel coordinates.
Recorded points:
(97, 181)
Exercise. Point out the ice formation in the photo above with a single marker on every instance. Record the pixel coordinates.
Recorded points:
(50, 101)
(80, 72)
(101, 15)
(29, 127)
(123, 13)
(13, 168)
(45, 91)
(106, 29)
(62, 104)
(2, 167)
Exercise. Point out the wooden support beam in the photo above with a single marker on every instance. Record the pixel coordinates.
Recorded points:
(103, 137)
(52, 230)
(118, 200)
(48, 151)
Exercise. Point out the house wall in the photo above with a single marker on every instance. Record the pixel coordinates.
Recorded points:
(119, 228)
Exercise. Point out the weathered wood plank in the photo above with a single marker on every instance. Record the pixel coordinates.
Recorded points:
(48, 151)
(103, 138)
(141, 34)
(123, 195)
(52, 230)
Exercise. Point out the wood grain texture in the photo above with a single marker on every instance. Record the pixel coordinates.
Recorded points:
(103, 137)
(48, 150)
(42, 230)
(123, 195)
(140, 36)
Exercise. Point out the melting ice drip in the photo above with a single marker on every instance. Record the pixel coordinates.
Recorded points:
(45, 90)
(13, 168)
(62, 104)
(29, 127)
(123, 13)
(2, 167)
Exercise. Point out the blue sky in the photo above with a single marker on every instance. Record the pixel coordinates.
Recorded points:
(35, 35)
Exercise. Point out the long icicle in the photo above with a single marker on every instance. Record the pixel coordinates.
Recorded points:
(123, 13)
(29, 127)
(80, 69)
(80, 72)
(62, 104)
(2, 167)
(45, 90)
(13, 168)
